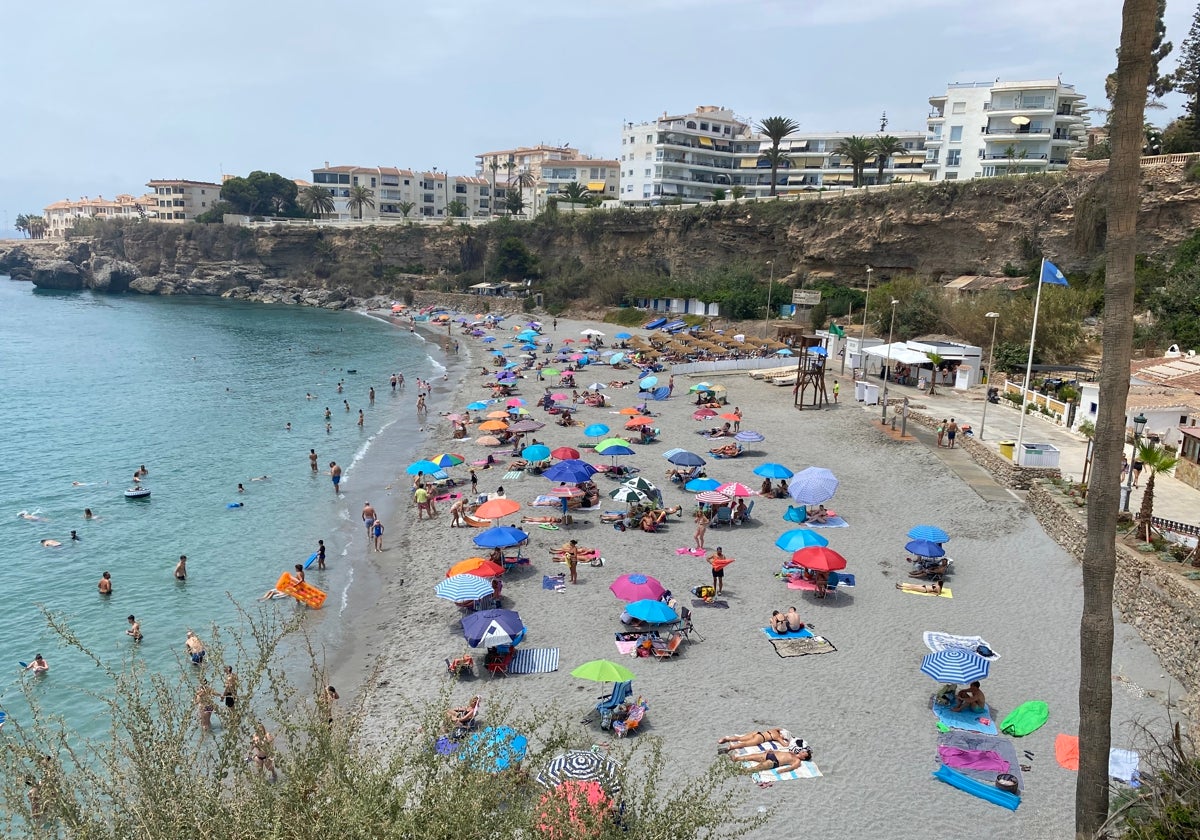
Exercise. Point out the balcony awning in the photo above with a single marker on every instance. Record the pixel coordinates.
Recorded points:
(748, 163)
(706, 141)
(596, 186)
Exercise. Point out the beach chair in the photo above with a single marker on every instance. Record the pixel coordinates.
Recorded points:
(460, 665)
(608, 705)
(686, 628)
(497, 663)
(669, 648)
(831, 586)
(745, 517)
(723, 516)
(633, 720)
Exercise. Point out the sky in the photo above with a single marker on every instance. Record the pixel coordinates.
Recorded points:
(101, 97)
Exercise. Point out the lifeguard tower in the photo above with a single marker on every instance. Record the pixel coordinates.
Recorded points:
(810, 372)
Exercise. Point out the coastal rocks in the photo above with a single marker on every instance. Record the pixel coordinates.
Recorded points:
(111, 275)
(17, 264)
(62, 275)
(146, 285)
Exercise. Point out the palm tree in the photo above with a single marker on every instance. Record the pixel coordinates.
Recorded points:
(405, 207)
(858, 151)
(494, 165)
(316, 201)
(1155, 459)
(574, 193)
(22, 224)
(37, 227)
(1100, 554)
(776, 158)
(935, 359)
(457, 208)
(525, 181)
(361, 197)
(884, 147)
(514, 203)
(775, 129)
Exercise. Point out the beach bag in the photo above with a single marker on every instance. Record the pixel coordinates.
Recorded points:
(1026, 718)
(705, 593)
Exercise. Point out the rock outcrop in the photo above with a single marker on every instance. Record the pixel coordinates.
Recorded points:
(62, 275)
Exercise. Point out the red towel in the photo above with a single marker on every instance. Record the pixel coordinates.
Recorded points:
(1066, 751)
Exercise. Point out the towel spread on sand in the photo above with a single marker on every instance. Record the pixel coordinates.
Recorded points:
(966, 720)
(831, 522)
(719, 605)
(787, 648)
(626, 648)
(695, 552)
(1122, 764)
(945, 593)
(555, 583)
(936, 641)
(983, 760)
(534, 661)
(807, 770)
(514, 475)
(803, 633)
(1066, 751)
(998, 744)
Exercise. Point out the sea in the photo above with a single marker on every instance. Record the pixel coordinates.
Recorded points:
(201, 392)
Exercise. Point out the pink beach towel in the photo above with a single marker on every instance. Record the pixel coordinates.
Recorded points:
(986, 760)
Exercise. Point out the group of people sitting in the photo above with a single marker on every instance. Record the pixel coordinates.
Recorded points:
(790, 757)
(779, 491)
(969, 699)
(722, 432)
(929, 568)
(788, 622)
(646, 517)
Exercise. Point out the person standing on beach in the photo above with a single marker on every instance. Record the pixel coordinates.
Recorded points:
(321, 555)
(368, 516)
(474, 484)
(377, 533)
(421, 497)
(335, 473)
(941, 431)
(135, 629)
(571, 555)
(837, 389)
(181, 568)
(951, 432)
(702, 522)
(312, 459)
(458, 511)
(371, 396)
(737, 424)
(718, 562)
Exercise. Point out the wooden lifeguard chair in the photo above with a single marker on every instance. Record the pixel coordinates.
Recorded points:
(810, 372)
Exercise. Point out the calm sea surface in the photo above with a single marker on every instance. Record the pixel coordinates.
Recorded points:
(200, 391)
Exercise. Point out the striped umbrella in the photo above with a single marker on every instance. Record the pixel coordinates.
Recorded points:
(929, 532)
(955, 665)
(447, 459)
(639, 483)
(813, 486)
(712, 497)
(736, 489)
(629, 495)
(748, 436)
(582, 766)
(463, 588)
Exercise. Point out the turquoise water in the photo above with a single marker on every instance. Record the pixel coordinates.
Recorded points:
(200, 391)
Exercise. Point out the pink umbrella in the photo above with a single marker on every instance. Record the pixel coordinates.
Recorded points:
(712, 497)
(575, 357)
(703, 414)
(636, 587)
(736, 489)
(566, 492)
(515, 402)
(565, 453)
(557, 397)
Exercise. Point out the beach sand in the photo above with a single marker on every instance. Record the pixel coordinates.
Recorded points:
(864, 708)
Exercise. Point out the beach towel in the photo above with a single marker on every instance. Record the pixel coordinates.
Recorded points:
(966, 720)
(626, 648)
(555, 583)
(719, 605)
(986, 761)
(936, 641)
(996, 744)
(787, 648)
(1066, 751)
(514, 475)
(807, 770)
(799, 634)
(945, 593)
(546, 501)
(534, 661)
(695, 552)
(1123, 765)
(831, 522)
(445, 497)
(1026, 718)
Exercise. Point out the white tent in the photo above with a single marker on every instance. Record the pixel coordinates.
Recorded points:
(900, 354)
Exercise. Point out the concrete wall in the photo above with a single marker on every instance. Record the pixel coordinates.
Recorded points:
(1003, 470)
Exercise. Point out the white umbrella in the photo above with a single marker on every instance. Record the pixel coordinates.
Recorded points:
(591, 332)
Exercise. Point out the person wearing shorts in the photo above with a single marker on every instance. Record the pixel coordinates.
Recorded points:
(951, 432)
(718, 570)
(421, 496)
(335, 473)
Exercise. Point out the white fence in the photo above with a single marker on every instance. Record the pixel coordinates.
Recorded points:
(1057, 408)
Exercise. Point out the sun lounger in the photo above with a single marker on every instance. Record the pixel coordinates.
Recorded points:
(476, 523)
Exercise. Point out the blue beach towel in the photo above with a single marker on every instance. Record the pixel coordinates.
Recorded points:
(803, 634)
(555, 583)
(966, 720)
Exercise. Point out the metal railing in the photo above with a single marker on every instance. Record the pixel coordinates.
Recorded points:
(1175, 527)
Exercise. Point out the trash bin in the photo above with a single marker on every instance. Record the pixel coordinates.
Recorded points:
(1007, 447)
(870, 393)
(860, 390)
(1038, 455)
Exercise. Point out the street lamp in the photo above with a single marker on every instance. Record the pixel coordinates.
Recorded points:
(995, 316)
(770, 288)
(1139, 426)
(862, 342)
(887, 372)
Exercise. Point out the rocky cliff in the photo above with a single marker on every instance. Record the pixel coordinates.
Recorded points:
(936, 230)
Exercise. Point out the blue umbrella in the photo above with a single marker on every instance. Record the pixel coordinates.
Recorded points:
(501, 536)
(799, 538)
(491, 628)
(572, 471)
(508, 345)
(783, 352)
(495, 748)
(648, 383)
(489, 339)
(924, 548)
(497, 352)
(818, 351)
(622, 336)
(616, 358)
(773, 471)
(929, 532)
(749, 437)
(478, 405)
(596, 430)
(683, 458)
(615, 449)
(463, 588)
(813, 486)
(422, 467)
(699, 485)
(537, 452)
(661, 392)
(955, 665)
(652, 612)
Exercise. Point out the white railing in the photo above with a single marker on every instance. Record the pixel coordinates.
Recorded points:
(757, 363)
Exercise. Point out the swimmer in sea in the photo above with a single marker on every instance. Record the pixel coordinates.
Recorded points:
(75, 537)
(260, 478)
(105, 585)
(51, 543)
(321, 555)
(135, 629)
(312, 459)
(87, 513)
(195, 648)
(142, 471)
(181, 568)
(29, 517)
(272, 593)
(328, 428)
(347, 404)
(38, 665)
(360, 418)
(328, 413)
(288, 427)
(241, 489)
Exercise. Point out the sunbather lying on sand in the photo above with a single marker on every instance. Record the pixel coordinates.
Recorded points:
(729, 450)
(754, 739)
(546, 520)
(929, 588)
(781, 760)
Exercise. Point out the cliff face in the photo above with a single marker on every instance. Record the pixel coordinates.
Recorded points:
(939, 230)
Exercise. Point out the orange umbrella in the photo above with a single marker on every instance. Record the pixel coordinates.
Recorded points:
(729, 415)
(639, 421)
(476, 566)
(493, 426)
(497, 415)
(496, 508)
(629, 411)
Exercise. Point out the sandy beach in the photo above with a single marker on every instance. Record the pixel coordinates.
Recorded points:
(864, 708)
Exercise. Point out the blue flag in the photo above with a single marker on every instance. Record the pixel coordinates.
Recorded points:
(1052, 275)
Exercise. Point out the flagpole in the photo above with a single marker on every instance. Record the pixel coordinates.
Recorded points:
(1037, 302)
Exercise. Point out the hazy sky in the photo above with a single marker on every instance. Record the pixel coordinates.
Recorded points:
(100, 97)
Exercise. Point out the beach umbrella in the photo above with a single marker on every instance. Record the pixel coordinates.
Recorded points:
(773, 471)
(497, 508)
(577, 357)
(955, 665)
(566, 491)
(636, 586)
(590, 333)
(512, 366)
(799, 538)
(928, 532)
(729, 415)
(518, 411)
(607, 442)
(489, 339)
(783, 352)
(652, 611)
(703, 414)
(924, 548)
(582, 766)
(564, 453)
(477, 567)
(550, 371)
(748, 436)
(568, 341)
(537, 452)
(699, 485)
(648, 383)
(572, 471)
(447, 459)
(628, 495)
(683, 458)
(616, 358)
(514, 402)
(421, 467)
(601, 670)
(660, 393)
(700, 386)
(713, 497)
(493, 426)
(639, 483)
(491, 628)
(500, 537)
(498, 414)
(559, 397)
(596, 430)
(813, 486)
(478, 405)
(488, 440)
(463, 588)
(629, 412)
(526, 425)
(736, 489)
(819, 558)
(818, 351)
(639, 421)
(495, 748)
(597, 386)
(508, 345)
(614, 450)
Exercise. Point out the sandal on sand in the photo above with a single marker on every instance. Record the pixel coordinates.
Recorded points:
(1028, 768)
(766, 784)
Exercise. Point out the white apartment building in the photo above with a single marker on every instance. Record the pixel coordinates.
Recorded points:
(983, 129)
(182, 201)
(813, 163)
(601, 177)
(689, 156)
(61, 215)
(392, 187)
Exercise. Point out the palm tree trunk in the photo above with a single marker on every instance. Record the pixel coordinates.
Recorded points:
(1146, 511)
(1100, 554)
(774, 172)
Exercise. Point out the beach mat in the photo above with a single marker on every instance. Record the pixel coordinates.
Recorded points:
(994, 743)
(1066, 751)
(831, 522)
(945, 593)
(787, 648)
(799, 634)
(717, 605)
(965, 720)
(534, 661)
(555, 583)
(514, 475)
(808, 770)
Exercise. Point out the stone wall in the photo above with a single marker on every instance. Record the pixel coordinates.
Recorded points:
(467, 303)
(1150, 596)
(1000, 468)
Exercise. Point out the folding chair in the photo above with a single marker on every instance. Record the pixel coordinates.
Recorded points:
(686, 628)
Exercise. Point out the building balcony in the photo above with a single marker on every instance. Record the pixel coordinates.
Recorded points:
(1018, 110)
(929, 165)
(936, 114)
(933, 140)
(1030, 159)
(1015, 132)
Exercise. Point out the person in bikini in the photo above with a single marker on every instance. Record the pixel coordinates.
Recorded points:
(753, 739)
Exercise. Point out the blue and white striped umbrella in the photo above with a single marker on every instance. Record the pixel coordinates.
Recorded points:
(928, 532)
(749, 437)
(813, 486)
(463, 588)
(955, 665)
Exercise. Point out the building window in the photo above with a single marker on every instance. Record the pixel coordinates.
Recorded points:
(956, 134)
(648, 172)
(647, 158)
(951, 176)
(958, 107)
(649, 138)
(953, 157)
(704, 126)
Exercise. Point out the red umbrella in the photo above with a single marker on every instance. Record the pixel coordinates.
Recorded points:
(819, 558)
(704, 414)
(565, 453)
(568, 341)
(567, 492)
(475, 566)
(735, 489)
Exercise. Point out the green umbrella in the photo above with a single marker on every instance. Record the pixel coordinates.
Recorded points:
(601, 670)
(550, 371)
(607, 442)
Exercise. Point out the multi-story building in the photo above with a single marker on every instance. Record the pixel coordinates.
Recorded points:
(395, 189)
(551, 168)
(688, 157)
(812, 162)
(61, 215)
(601, 177)
(182, 201)
(508, 163)
(982, 129)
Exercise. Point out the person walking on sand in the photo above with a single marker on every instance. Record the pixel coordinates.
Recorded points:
(369, 516)
(181, 568)
(377, 532)
(837, 389)
(941, 431)
(951, 432)
(335, 473)
(737, 424)
(474, 484)
(312, 459)
(320, 555)
(702, 522)
(718, 562)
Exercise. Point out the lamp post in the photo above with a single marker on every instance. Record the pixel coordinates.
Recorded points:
(1139, 426)
(862, 342)
(770, 288)
(887, 372)
(995, 316)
